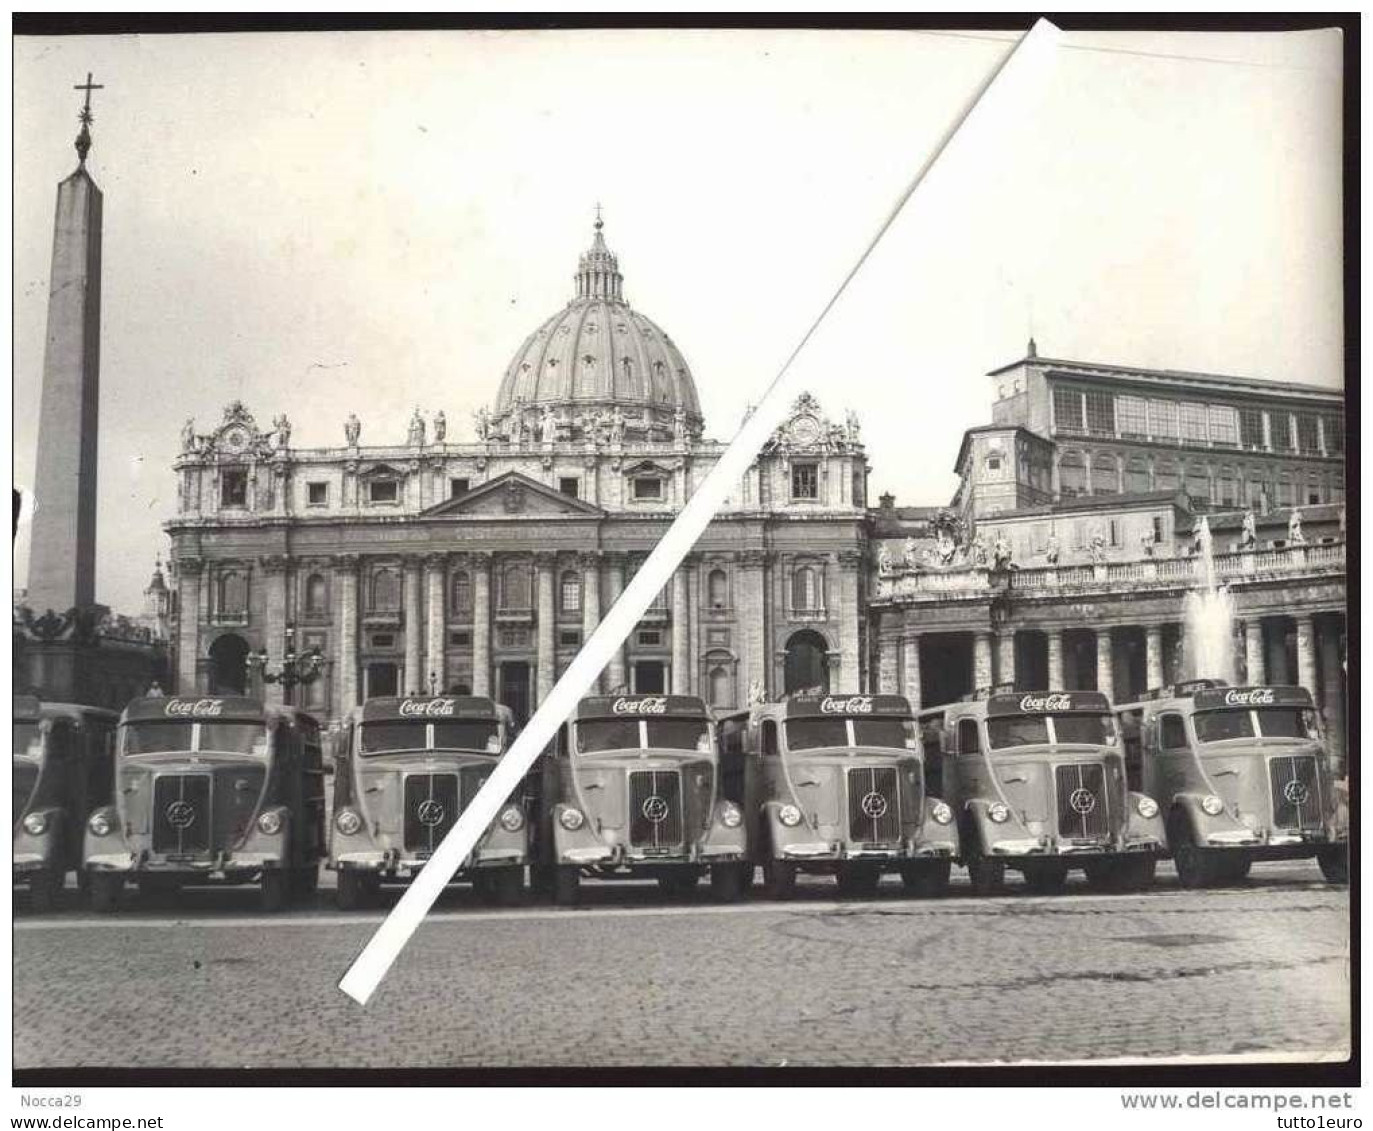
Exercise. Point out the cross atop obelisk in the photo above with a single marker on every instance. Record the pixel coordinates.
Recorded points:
(83, 139)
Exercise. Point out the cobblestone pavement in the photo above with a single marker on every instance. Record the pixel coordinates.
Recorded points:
(635, 978)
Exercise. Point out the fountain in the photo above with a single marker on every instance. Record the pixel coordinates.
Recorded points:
(1208, 618)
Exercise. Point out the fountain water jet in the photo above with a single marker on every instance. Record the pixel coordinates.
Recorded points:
(1208, 618)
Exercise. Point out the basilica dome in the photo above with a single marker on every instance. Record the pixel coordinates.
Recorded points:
(597, 357)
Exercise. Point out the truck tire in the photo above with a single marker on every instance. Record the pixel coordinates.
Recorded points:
(988, 877)
(1047, 877)
(926, 878)
(304, 883)
(356, 889)
(276, 889)
(45, 886)
(567, 885)
(728, 882)
(1196, 867)
(1334, 862)
(502, 887)
(779, 879)
(105, 891)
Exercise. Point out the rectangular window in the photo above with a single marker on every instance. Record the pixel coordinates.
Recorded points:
(1193, 418)
(383, 491)
(1132, 414)
(459, 639)
(1158, 528)
(1101, 414)
(233, 487)
(1281, 426)
(1068, 410)
(1251, 430)
(1333, 426)
(569, 637)
(383, 640)
(317, 494)
(570, 486)
(647, 487)
(457, 487)
(1224, 425)
(1163, 420)
(650, 638)
(1308, 434)
(805, 481)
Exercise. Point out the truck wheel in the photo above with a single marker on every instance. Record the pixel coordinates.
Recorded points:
(728, 882)
(567, 885)
(1334, 862)
(1196, 867)
(45, 886)
(779, 879)
(304, 883)
(1233, 868)
(988, 877)
(276, 889)
(1047, 877)
(926, 878)
(355, 889)
(105, 890)
(502, 887)
(1134, 873)
(859, 880)
(679, 881)
(541, 881)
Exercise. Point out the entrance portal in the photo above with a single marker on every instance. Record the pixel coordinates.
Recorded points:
(229, 670)
(514, 689)
(650, 677)
(805, 666)
(382, 679)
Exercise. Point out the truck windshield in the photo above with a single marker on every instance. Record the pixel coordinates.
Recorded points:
(813, 734)
(163, 736)
(1033, 730)
(1273, 722)
(1288, 722)
(233, 738)
(26, 738)
(467, 734)
(159, 737)
(595, 735)
(391, 735)
(678, 734)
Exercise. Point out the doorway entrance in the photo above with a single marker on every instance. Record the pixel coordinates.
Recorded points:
(229, 665)
(382, 679)
(805, 667)
(514, 689)
(650, 677)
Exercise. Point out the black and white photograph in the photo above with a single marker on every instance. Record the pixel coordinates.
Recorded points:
(574, 554)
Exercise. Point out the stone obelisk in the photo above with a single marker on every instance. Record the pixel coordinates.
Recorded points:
(62, 554)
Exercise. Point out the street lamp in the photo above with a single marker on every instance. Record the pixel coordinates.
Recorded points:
(295, 669)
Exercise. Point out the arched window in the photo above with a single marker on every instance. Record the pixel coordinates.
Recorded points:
(717, 589)
(1105, 477)
(316, 593)
(386, 591)
(1136, 476)
(570, 591)
(515, 586)
(460, 592)
(233, 593)
(1166, 476)
(1072, 474)
(721, 685)
(806, 593)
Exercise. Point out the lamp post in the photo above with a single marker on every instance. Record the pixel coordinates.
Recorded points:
(295, 668)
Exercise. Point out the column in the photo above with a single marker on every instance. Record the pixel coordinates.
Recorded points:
(543, 565)
(435, 632)
(851, 678)
(1105, 669)
(1306, 653)
(615, 670)
(752, 622)
(414, 682)
(1057, 682)
(1153, 656)
(346, 585)
(590, 564)
(188, 571)
(274, 577)
(982, 662)
(1005, 660)
(888, 656)
(1332, 701)
(910, 664)
(1253, 651)
(681, 630)
(481, 623)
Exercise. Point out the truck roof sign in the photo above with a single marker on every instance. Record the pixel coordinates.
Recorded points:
(421, 707)
(1242, 698)
(641, 706)
(195, 708)
(1048, 702)
(845, 705)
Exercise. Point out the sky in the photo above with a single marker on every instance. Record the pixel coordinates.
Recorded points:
(325, 223)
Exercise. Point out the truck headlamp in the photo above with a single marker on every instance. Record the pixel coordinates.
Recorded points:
(998, 812)
(270, 822)
(512, 820)
(1212, 805)
(730, 815)
(35, 824)
(1148, 808)
(348, 822)
(100, 824)
(789, 815)
(571, 819)
(941, 813)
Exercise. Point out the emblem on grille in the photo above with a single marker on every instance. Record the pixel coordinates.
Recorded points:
(429, 812)
(1083, 801)
(874, 805)
(655, 809)
(181, 814)
(1296, 792)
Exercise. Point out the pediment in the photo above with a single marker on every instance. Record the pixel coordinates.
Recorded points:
(513, 495)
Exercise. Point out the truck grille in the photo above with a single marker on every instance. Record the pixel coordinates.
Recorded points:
(182, 816)
(1296, 793)
(432, 804)
(874, 808)
(1083, 807)
(655, 808)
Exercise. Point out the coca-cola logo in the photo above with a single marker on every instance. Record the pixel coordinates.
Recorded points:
(853, 705)
(1046, 703)
(1258, 697)
(427, 708)
(184, 708)
(649, 705)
